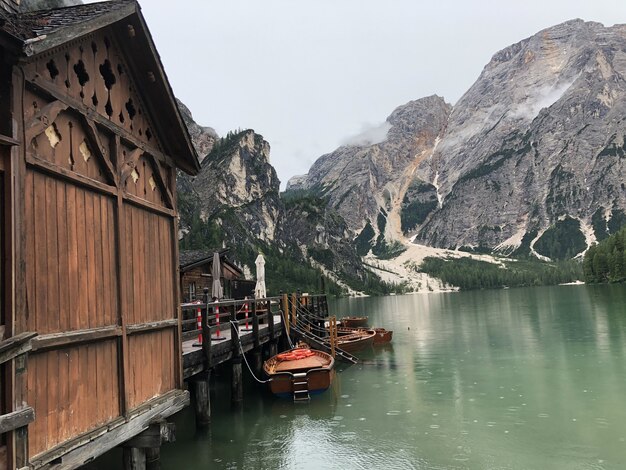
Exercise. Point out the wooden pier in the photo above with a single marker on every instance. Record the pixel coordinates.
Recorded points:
(257, 337)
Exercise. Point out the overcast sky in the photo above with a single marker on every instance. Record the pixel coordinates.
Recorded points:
(307, 75)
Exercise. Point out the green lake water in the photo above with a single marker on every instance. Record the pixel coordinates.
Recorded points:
(500, 379)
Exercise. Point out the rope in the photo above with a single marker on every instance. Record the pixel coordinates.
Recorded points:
(236, 325)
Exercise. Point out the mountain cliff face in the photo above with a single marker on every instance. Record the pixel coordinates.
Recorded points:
(234, 202)
(237, 180)
(529, 161)
(533, 153)
(203, 138)
(366, 181)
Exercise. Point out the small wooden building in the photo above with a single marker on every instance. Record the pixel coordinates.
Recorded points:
(196, 269)
(90, 140)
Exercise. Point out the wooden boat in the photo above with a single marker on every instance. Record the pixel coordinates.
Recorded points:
(383, 336)
(356, 340)
(299, 373)
(353, 322)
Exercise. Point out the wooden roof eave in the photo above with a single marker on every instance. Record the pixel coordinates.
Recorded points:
(177, 140)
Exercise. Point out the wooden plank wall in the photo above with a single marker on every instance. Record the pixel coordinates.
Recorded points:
(100, 246)
(70, 238)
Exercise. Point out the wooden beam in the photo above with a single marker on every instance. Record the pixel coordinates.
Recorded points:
(144, 204)
(94, 136)
(15, 346)
(72, 338)
(169, 199)
(8, 141)
(156, 435)
(17, 419)
(67, 175)
(84, 449)
(150, 327)
(121, 266)
(44, 118)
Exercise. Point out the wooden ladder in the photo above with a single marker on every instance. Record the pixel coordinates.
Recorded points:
(300, 388)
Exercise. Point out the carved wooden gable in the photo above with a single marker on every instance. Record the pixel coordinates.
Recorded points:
(67, 86)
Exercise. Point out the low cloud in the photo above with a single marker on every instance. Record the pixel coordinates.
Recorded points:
(369, 135)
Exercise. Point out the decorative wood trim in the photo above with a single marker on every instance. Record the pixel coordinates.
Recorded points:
(130, 163)
(17, 419)
(85, 448)
(73, 338)
(58, 94)
(143, 204)
(44, 118)
(15, 346)
(150, 327)
(167, 195)
(92, 133)
(68, 175)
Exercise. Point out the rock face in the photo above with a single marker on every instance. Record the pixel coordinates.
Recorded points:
(536, 142)
(237, 176)
(203, 138)
(234, 201)
(364, 180)
(532, 154)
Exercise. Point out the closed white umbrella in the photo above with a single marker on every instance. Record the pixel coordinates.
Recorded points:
(216, 272)
(259, 290)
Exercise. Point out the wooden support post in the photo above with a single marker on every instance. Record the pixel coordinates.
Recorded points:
(153, 458)
(202, 399)
(257, 362)
(270, 320)
(236, 388)
(286, 314)
(255, 326)
(206, 337)
(293, 309)
(134, 458)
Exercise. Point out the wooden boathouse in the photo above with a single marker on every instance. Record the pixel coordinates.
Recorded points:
(90, 326)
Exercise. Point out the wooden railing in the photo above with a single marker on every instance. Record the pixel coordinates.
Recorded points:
(218, 317)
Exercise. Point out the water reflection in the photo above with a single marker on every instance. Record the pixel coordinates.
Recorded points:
(506, 379)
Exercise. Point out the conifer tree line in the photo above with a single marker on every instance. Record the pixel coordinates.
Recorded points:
(606, 261)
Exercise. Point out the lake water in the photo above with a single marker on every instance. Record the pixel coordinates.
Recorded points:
(502, 379)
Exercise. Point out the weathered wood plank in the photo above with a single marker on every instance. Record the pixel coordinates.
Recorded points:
(91, 445)
(16, 419)
(67, 175)
(150, 326)
(73, 338)
(15, 346)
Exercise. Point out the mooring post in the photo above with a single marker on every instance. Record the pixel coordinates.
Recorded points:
(236, 386)
(153, 458)
(237, 376)
(202, 399)
(257, 361)
(273, 348)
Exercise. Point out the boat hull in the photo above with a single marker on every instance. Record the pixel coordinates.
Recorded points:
(382, 336)
(353, 322)
(311, 374)
(282, 385)
(358, 340)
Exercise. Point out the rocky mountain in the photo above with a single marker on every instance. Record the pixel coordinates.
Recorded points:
(365, 181)
(532, 157)
(234, 202)
(203, 138)
(529, 161)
